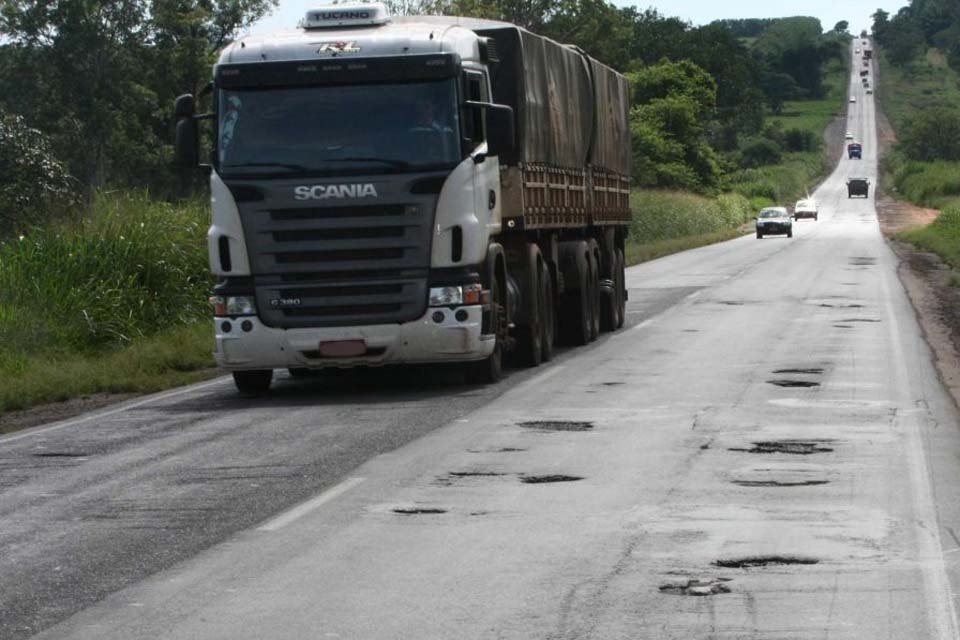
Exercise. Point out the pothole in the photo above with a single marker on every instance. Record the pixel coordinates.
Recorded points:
(779, 483)
(557, 425)
(793, 383)
(859, 320)
(475, 474)
(548, 479)
(793, 447)
(862, 260)
(59, 454)
(731, 303)
(697, 587)
(843, 326)
(416, 511)
(762, 561)
(611, 384)
(811, 371)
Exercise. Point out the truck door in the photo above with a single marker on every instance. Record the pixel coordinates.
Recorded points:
(486, 175)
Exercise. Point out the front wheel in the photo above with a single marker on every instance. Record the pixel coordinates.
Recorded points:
(490, 369)
(254, 383)
(759, 236)
(790, 233)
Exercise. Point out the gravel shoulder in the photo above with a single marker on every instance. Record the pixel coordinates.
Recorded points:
(924, 275)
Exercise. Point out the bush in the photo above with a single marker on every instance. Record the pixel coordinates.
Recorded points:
(942, 236)
(664, 215)
(932, 134)
(760, 151)
(131, 268)
(800, 140)
(32, 181)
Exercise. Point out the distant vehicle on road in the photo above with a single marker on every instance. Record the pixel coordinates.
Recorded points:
(864, 72)
(774, 221)
(853, 98)
(869, 91)
(858, 187)
(848, 136)
(857, 50)
(806, 209)
(854, 150)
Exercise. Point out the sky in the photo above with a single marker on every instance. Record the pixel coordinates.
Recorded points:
(856, 12)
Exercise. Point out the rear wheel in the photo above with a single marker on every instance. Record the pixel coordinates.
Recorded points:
(594, 281)
(254, 383)
(575, 313)
(620, 283)
(759, 236)
(548, 320)
(790, 232)
(530, 337)
(609, 300)
(490, 368)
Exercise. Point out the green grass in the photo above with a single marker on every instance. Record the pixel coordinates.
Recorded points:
(921, 84)
(933, 184)
(115, 302)
(168, 359)
(942, 236)
(667, 222)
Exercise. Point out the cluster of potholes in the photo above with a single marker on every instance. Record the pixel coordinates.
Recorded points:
(700, 586)
(451, 477)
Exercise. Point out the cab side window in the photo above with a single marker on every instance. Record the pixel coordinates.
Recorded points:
(474, 91)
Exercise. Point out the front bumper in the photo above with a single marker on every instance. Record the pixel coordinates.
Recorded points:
(774, 228)
(419, 341)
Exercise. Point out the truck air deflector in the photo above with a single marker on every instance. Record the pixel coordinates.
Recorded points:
(338, 71)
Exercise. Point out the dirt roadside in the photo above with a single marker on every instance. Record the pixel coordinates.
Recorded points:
(925, 277)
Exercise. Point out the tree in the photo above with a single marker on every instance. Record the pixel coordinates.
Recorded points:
(841, 27)
(99, 76)
(932, 134)
(32, 180)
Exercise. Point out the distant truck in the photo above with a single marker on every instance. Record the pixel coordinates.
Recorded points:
(868, 53)
(411, 190)
(854, 150)
(864, 72)
(858, 187)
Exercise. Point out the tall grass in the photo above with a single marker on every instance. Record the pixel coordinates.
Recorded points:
(933, 184)
(130, 268)
(666, 222)
(942, 236)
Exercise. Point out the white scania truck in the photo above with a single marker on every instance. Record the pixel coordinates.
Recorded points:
(410, 190)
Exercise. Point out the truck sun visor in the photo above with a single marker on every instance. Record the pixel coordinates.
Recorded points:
(338, 71)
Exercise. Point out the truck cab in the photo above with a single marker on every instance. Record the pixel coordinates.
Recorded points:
(370, 196)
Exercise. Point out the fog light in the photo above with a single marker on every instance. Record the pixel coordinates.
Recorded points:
(462, 315)
(226, 327)
(438, 317)
(247, 326)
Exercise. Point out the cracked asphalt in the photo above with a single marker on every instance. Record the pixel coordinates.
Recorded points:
(765, 451)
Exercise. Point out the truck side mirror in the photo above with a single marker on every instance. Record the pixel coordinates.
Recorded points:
(187, 144)
(501, 129)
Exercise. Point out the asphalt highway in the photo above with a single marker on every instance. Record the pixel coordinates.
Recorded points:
(765, 451)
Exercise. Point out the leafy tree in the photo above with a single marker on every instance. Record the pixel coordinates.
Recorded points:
(841, 27)
(32, 180)
(932, 134)
(99, 76)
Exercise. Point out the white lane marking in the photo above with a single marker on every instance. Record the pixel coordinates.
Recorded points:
(121, 409)
(310, 505)
(940, 608)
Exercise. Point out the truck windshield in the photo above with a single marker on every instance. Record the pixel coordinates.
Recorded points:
(339, 129)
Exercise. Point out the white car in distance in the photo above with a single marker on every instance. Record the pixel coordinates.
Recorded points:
(849, 136)
(806, 209)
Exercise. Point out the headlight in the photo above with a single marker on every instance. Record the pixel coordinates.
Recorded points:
(456, 295)
(446, 296)
(233, 306)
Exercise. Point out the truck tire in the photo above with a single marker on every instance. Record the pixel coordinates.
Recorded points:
(608, 300)
(548, 321)
(490, 369)
(790, 233)
(530, 336)
(575, 312)
(253, 383)
(594, 284)
(759, 236)
(620, 284)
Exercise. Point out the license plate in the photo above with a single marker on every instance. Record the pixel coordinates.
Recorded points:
(343, 348)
